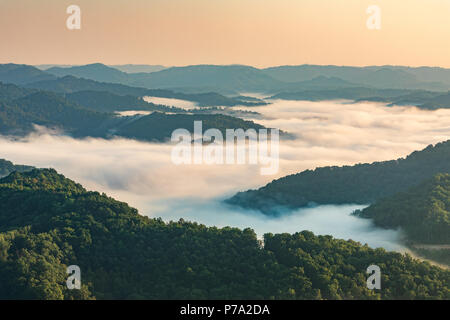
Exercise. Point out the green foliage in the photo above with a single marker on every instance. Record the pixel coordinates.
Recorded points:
(361, 183)
(6, 167)
(422, 211)
(17, 117)
(439, 255)
(48, 222)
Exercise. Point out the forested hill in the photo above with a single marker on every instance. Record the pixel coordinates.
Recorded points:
(90, 114)
(361, 183)
(48, 222)
(422, 211)
(6, 167)
(159, 126)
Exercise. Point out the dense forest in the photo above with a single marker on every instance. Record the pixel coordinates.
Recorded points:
(422, 211)
(159, 126)
(48, 222)
(91, 114)
(6, 167)
(361, 183)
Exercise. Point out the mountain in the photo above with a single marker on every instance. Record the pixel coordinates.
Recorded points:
(349, 93)
(235, 79)
(208, 98)
(436, 102)
(360, 184)
(427, 100)
(159, 126)
(422, 211)
(71, 84)
(90, 114)
(6, 167)
(96, 71)
(48, 222)
(205, 78)
(382, 77)
(104, 101)
(21, 74)
(18, 117)
(10, 92)
(138, 68)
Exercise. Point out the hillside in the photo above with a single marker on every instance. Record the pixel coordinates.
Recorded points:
(6, 167)
(9, 92)
(382, 77)
(360, 184)
(21, 74)
(422, 211)
(48, 222)
(159, 126)
(71, 85)
(104, 101)
(96, 71)
(18, 117)
(90, 114)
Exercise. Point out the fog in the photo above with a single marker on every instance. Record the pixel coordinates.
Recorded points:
(329, 133)
(183, 104)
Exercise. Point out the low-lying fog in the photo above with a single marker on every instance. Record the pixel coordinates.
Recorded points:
(329, 133)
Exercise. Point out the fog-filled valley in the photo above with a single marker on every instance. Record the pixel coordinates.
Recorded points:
(326, 133)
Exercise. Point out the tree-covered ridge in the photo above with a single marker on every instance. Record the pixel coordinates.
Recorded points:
(361, 183)
(90, 114)
(104, 101)
(422, 211)
(159, 126)
(9, 92)
(123, 255)
(18, 117)
(70, 84)
(6, 167)
(40, 179)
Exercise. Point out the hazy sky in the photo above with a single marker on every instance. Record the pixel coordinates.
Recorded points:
(253, 32)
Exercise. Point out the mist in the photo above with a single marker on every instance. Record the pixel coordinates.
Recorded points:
(183, 104)
(328, 133)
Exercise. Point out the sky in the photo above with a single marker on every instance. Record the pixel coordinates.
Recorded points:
(260, 33)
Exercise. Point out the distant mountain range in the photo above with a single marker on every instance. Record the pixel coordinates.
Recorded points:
(6, 167)
(210, 85)
(239, 78)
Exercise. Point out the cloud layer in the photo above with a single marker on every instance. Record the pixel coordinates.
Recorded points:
(329, 133)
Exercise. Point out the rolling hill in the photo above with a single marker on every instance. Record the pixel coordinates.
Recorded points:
(22, 74)
(6, 167)
(360, 184)
(48, 222)
(423, 211)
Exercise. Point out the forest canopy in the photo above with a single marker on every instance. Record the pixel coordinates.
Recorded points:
(48, 222)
